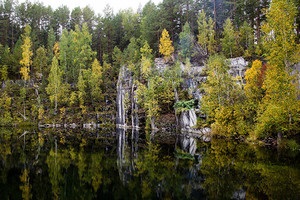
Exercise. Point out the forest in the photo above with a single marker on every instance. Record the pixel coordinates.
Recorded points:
(62, 66)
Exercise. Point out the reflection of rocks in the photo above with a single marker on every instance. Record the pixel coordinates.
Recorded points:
(240, 194)
(188, 144)
(121, 118)
(126, 154)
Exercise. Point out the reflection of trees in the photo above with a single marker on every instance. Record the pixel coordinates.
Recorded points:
(90, 168)
(57, 162)
(68, 181)
(159, 176)
(230, 168)
(221, 180)
(25, 187)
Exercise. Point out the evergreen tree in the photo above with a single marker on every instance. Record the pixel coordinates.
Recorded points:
(186, 45)
(50, 44)
(247, 39)
(212, 46)
(228, 41)
(203, 32)
(40, 63)
(149, 26)
(146, 60)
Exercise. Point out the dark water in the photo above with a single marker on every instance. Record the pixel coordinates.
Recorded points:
(114, 164)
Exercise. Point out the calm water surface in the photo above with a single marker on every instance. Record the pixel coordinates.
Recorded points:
(114, 164)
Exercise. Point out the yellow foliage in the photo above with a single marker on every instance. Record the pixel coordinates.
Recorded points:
(41, 113)
(26, 54)
(146, 67)
(253, 82)
(26, 187)
(165, 45)
(56, 49)
(24, 71)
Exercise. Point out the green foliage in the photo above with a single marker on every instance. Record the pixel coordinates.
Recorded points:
(186, 45)
(229, 41)
(217, 86)
(76, 52)
(132, 53)
(3, 73)
(278, 112)
(118, 59)
(181, 106)
(156, 95)
(146, 60)
(56, 90)
(206, 35)
(223, 99)
(149, 26)
(247, 39)
(82, 85)
(40, 63)
(5, 109)
(50, 44)
(279, 33)
(95, 81)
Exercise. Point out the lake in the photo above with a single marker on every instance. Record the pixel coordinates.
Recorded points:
(118, 164)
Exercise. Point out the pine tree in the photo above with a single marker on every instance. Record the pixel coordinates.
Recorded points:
(247, 39)
(165, 45)
(211, 46)
(146, 60)
(40, 63)
(50, 44)
(203, 32)
(228, 40)
(186, 45)
(26, 54)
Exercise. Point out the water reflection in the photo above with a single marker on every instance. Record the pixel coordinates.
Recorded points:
(119, 164)
(126, 154)
(188, 144)
(240, 171)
